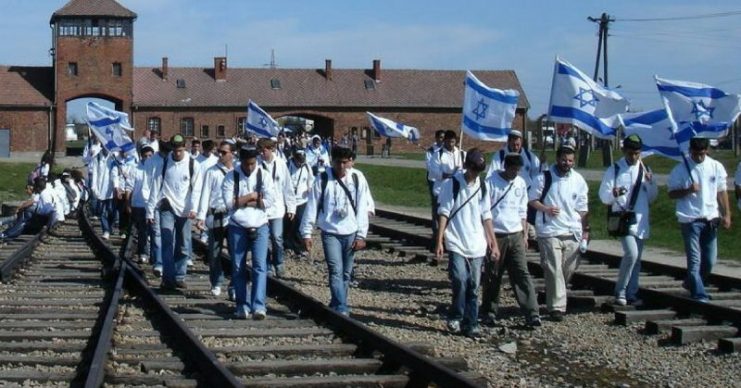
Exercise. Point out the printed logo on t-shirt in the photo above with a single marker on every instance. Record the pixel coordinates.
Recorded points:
(573, 196)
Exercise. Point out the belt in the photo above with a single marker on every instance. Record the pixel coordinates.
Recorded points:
(503, 235)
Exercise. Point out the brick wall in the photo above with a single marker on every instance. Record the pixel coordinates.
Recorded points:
(28, 128)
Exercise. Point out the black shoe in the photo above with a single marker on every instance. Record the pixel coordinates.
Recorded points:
(556, 316)
(489, 319)
(180, 284)
(472, 333)
(534, 321)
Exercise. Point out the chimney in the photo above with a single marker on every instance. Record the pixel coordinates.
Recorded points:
(220, 68)
(328, 69)
(377, 70)
(164, 68)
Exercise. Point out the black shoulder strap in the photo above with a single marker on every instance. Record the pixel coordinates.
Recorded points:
(190, 174)
(455, 195)
(236, 185)
(440, 153)
(164, 168)
(501, 155)
(347, 191)
(636, 188)
(546, 186)
(324, 178)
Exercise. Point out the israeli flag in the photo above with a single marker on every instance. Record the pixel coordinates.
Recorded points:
(576, 99)
(260, 123)
(109, 126)
(696, 109)
(390, 128)
(487, 112)
(656, 133)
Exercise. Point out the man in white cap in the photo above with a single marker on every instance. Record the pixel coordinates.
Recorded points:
(560, 197)
(531, 164)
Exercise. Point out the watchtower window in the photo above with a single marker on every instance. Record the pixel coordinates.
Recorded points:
(180, 83)
(117, 69)
(275, 84)
(72, 68)
(94, 27)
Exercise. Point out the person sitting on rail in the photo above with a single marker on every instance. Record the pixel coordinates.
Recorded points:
(175, 191)
(338, 206)
(508, 196)
(560, 197)
(74, 196)
(466, 230)
(138, 191)
(302, 180)
(285, 202)
(34, 213)
(248, 192)
(698, 185)
(627, 179)
(212, 206)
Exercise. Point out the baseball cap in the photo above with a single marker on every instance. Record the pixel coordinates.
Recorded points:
(177, 140)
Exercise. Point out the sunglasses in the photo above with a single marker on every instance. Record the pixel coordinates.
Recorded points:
(222, 152)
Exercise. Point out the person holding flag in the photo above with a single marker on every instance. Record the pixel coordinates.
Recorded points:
(698, 184)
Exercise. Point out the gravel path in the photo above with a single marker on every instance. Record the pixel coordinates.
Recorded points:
(408, 301)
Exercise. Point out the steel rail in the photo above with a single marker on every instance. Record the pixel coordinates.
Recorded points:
(9, 266)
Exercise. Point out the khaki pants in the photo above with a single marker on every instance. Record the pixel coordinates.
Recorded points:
(559, 257)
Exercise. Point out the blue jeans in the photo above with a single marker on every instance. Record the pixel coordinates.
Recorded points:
(176, 233)
(155, 237)
(630, 268)
(701, 247)
(106, 215)
(276, 240)
(340, 256)
(139, 217)
(240, 243)
(465, 277)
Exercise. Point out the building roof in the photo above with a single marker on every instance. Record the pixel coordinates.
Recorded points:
(26, 86)
(81, 8)
(310, 88)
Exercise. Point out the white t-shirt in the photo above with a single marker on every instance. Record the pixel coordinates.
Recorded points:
(464, 233)
(711, 175)
(569, 193)
(530, 164)
(511, 209)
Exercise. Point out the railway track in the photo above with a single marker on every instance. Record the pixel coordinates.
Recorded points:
(191, 338)
(50, 298)
(668, 309)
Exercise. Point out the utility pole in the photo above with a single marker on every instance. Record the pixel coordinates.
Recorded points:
(604, 22)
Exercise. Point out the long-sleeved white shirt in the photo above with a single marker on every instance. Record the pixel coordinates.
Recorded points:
(445, 162)
(511, 200)
(302, 179)
(102, 185)
(121, 172)
(211, 195)
(626, 177)
(248, 216)
(181, 189)
(429, 153)
(530, 164)
(138, 186)
(711, 175)
(314, 155)
(569, 193)
(337, 215)
(464, 233)
(285, 200)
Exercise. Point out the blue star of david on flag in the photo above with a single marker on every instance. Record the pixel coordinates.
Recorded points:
(700, 110)
(263, 122)
(260, 123)
(582, 98)
(480, 110)
(110, 127)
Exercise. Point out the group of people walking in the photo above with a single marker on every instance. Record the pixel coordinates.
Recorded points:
(483, 221)
(255, 198)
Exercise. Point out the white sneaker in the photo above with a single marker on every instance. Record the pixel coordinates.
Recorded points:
(106, 236)
(621, 301)
(157, 271)
(259, 315)
(144, 259)
(454, 326)
(242, 314)
(216, 291)
(189, 262)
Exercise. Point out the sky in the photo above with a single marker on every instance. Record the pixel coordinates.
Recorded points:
(524, 36)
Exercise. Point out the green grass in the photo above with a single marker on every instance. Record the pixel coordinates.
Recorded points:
(13, 180)
(658, 164)
(401, 186)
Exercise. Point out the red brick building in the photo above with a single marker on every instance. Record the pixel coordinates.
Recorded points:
(93, 57)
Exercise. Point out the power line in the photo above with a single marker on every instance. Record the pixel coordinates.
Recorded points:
(675, 18)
